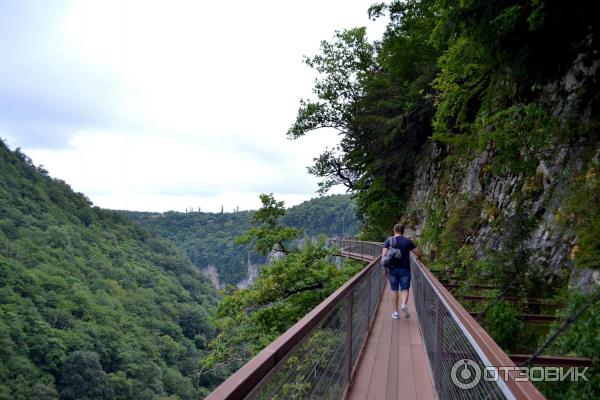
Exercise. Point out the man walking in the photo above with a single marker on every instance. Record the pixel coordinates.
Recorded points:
(398, 269)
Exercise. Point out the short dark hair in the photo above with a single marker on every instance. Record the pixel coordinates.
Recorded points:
(399, 228)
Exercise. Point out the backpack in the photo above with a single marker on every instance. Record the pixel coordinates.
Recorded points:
(391, 254)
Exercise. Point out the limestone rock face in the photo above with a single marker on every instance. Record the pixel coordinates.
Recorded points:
(441, 191)
(213, 275)
(253, 271)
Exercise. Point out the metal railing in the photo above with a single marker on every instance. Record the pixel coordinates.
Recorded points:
(317, 357)
(451, 335)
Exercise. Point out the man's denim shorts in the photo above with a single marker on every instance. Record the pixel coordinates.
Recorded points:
(399, 277)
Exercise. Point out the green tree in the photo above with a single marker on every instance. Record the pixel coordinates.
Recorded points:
(82, 378)
(267, 234)
(249, 319)
(379, 98)
(343, 64)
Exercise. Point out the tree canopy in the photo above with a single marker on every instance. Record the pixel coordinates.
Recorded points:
(92, 306)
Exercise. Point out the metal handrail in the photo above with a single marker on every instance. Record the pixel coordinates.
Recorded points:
(256, 374)
(252, 378)
(491, 355)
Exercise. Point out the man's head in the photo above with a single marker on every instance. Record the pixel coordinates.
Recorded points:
(399, 229)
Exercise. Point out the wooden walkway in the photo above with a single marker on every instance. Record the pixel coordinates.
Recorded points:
(393, 364)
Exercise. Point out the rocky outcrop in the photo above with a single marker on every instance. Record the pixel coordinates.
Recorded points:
(443, 187)
(549, 242)
(213, 275)
(253, 272)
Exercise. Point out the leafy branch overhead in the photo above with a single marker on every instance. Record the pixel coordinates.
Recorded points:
(379, 104)
(343, 66)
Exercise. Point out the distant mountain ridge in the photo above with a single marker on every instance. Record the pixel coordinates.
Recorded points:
(209, 238)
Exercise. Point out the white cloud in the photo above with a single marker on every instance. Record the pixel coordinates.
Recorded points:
(155, 172)
(181, 103)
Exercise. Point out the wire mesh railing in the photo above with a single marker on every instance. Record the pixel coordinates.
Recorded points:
(316, 358)
(451, 336)
(455, 342)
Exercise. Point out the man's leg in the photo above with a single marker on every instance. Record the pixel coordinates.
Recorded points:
(404, 287)
(404, 294)
(394, 286)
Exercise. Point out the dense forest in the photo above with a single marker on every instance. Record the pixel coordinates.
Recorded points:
(210, 238)
(476, 124)
(92, 306)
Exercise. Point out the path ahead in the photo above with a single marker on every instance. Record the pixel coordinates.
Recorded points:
(393, 363)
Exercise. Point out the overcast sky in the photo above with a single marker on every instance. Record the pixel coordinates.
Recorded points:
(164, 105)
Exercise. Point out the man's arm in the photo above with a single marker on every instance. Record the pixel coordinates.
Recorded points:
(384, 251)
(417, 252)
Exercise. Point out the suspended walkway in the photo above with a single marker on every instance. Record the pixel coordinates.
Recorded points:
(349, 347)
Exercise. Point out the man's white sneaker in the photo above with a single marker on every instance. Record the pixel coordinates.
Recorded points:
(404, 309)
(395, 315)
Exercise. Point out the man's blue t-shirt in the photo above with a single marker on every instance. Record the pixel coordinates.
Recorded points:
(405, 245)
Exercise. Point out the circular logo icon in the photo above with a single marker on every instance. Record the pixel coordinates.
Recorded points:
(466, 374)
(596, 277)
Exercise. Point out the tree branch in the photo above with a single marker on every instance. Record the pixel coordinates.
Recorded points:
(290, 293)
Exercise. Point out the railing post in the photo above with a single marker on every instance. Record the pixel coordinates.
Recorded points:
(349, 338)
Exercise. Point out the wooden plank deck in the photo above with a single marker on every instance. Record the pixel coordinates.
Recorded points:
(393, 364)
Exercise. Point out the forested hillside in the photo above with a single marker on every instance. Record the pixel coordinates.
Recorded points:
(476, 123)
(327, 215)
(209, 238)
(92, 306)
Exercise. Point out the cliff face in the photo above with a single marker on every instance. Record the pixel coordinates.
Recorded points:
(252, 274)
(470, 214)
(213, 276)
